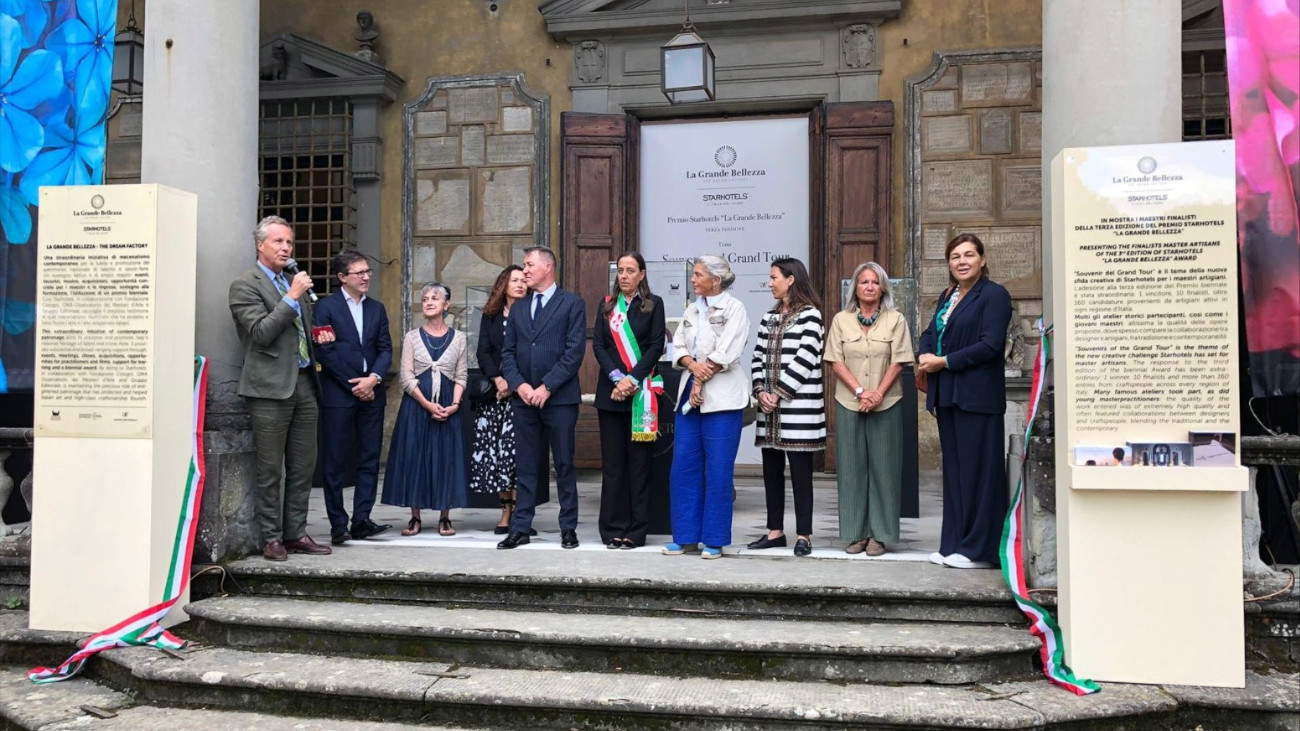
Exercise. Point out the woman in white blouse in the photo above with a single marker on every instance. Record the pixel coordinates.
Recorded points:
(711, 400)
(426, 457)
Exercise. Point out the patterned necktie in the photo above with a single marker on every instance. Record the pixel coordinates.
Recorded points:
(304, 355)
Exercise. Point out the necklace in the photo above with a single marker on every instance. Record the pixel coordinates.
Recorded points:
(869, 321)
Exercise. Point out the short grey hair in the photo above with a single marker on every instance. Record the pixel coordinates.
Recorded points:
(263, 228)
(446, 291)
(718, 267)
(544, 251)
(886, 296)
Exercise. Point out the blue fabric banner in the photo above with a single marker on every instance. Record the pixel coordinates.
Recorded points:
(56, 71)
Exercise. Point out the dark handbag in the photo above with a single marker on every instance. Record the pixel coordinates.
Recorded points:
(481, 389)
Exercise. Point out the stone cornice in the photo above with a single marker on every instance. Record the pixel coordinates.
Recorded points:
(578, 19)
(340, 74)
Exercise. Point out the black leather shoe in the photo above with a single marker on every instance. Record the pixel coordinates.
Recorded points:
(367, 529)
(501, 530)
(514, 540)
(629, 544)
(802, 547)
(765, 542)
(614, 543)
(568, 539)
(340, 537)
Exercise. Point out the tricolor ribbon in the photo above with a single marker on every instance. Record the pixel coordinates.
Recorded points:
(645, 404)
(143, 628)
(1041, 623)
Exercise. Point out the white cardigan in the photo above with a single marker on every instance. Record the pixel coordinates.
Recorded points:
(717, 335)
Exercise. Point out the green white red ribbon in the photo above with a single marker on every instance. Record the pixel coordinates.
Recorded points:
(1041, 623)
(143, 628)
(645, 404)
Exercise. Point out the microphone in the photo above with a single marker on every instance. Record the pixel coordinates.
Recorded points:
(291, 266)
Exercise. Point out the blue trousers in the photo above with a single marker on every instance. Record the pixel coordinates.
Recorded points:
(704, 457)
(535, 429)
(356, 430)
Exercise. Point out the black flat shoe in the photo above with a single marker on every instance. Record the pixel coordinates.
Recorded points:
(765, 542)
(514, 540)
(339, 538)
(568, 539)
(802, 547)
(614, 543)
(501, 530)
(628, 544)
(367, 529)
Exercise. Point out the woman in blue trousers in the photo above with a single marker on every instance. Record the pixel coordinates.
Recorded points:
(710, 407)
(962, 364)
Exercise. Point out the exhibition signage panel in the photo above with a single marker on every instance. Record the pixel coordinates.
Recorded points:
(737, 189)
(113, 398)
(1146, 378)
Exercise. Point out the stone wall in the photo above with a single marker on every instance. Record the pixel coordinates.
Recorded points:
(974, 144)
(476, 194)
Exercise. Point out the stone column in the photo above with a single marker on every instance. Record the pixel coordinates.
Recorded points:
(1112, 75)
(200, 134)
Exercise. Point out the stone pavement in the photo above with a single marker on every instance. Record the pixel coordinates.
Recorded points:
(918, 536)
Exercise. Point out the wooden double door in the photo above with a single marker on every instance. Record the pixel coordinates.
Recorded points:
(849, 192)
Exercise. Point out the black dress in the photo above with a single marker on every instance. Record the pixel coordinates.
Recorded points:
(426, 457)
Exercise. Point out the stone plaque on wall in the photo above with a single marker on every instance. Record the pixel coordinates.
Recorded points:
(473, 194)
(946, 135)
(1022, 190)
(934, 240)
(997, 84)
(1031, 132)
(983, 177)
(995, 131)
(957, 189)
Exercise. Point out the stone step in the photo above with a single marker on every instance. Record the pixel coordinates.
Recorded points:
(635, 582)
(877, 652)
(62, 707)
(438, 693)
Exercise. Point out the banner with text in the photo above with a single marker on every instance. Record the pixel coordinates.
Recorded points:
(738, 189)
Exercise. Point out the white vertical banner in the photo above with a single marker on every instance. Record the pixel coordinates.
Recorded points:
(737, 189)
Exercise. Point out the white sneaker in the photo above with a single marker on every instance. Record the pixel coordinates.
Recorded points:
(937, 558)
(958, 561)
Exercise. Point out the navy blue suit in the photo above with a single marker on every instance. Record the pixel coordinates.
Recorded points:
(546, 352)
(351, 427)
(968, 399)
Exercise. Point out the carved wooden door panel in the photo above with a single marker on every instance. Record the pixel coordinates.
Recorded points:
(597, 224)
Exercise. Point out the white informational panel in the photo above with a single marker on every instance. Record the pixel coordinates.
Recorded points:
(737, 189)
(113, 401)
(1146, 374)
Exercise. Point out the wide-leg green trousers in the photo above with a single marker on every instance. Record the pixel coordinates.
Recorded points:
(869, 461)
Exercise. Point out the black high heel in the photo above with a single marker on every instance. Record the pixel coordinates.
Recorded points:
(509, 503)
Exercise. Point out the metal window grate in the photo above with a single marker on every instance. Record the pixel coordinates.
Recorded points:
(305, 169)
(1205, 95)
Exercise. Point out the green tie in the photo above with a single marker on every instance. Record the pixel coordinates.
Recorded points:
(304, 355)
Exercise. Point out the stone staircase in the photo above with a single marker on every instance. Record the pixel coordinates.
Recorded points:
(472, 638)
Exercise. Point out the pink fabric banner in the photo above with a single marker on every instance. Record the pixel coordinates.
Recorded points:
(1263, 45)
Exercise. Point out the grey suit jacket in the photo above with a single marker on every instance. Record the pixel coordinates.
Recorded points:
(264, 322)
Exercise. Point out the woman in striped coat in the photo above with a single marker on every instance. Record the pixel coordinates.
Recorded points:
(787, 381)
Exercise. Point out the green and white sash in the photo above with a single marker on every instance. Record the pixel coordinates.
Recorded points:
(645, 403)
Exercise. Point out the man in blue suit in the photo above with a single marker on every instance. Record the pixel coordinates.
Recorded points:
(352, 394)
(544, 344)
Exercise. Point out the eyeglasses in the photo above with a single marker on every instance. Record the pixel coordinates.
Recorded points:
(361, 273)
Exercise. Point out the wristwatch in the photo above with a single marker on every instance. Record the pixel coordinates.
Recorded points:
(858, 391)
(378, 378)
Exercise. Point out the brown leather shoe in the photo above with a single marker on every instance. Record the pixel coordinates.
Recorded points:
(875, 547)
(274, 551)
(307, 545)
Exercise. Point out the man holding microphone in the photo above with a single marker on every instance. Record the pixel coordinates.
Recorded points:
(271, 307)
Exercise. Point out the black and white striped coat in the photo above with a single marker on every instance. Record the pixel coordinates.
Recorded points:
(788, 362)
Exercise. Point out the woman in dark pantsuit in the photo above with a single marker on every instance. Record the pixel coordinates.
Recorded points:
(627, 340)
(961, 369)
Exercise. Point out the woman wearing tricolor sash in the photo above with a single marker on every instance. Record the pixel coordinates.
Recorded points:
(627, 340)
